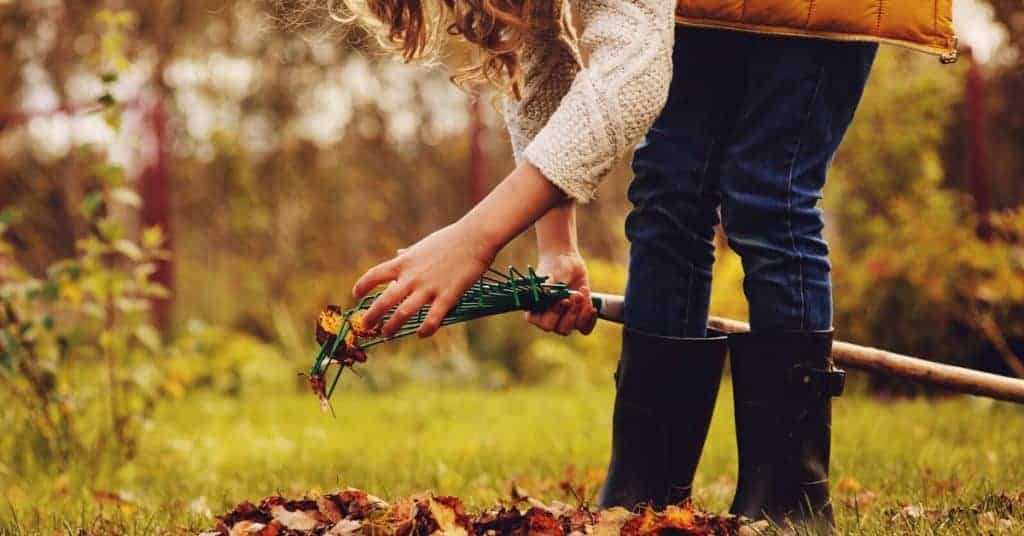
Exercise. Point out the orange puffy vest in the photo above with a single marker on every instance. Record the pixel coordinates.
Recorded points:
(925, 25)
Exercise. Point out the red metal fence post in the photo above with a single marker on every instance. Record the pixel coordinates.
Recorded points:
(977, 146)
(155, 190)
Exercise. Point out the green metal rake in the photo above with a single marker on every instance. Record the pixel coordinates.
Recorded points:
(343, 339)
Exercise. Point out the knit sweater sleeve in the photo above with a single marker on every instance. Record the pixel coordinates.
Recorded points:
(549, 62)
(611, 103)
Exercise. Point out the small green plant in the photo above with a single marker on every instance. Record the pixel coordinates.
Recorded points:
(85, 311)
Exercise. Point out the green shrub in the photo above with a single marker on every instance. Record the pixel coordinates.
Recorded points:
(73, 340)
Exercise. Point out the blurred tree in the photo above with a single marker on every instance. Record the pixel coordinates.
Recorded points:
(906, 254)
(298, 157)
(1005, 74)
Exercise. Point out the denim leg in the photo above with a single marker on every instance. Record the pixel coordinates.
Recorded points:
(800, 98)
(675, 190)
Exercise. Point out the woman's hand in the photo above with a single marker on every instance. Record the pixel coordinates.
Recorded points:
(576, 312)
(437, 270)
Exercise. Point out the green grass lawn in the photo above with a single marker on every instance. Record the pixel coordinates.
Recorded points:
(214, 452)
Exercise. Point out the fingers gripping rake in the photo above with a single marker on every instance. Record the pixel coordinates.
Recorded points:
(344, 339)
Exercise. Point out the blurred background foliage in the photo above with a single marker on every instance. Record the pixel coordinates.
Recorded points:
(185, 184)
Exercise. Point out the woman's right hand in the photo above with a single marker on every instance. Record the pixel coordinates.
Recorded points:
(574, 313)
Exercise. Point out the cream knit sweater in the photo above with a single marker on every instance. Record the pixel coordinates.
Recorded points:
(573, 122)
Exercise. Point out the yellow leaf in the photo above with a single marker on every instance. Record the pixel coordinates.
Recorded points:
(148, 336)
(71, 293)
(106, 339)
(128, 249)
(152, 237)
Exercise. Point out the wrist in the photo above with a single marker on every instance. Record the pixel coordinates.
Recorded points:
(480, 237)
(558, 258)
(556, 230)
(521, 199)
(560, 249)
(556, 242)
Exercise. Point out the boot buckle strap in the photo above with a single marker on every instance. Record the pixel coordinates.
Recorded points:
(813, 382)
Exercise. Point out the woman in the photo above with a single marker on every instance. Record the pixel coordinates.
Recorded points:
(741, 106)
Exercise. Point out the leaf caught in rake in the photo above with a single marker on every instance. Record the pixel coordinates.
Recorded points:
(343, 338)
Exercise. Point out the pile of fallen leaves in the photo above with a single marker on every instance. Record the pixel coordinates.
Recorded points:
(354, 512)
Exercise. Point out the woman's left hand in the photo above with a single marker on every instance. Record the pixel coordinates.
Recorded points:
(573, 313)
(437, 270)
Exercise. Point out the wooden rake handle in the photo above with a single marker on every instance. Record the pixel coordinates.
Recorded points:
(965, 380)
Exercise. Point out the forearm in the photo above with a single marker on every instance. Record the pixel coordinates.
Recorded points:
(556, 230)
(519, 201)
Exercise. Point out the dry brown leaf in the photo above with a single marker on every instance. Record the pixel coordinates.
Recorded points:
(540, 522)
(756, 528)
(848, 484)
(447, 514)
(678, 520)
(329, 509)
(298, 519)
(252, 528)
(358, 327)
(861, 500)
(345, 527)
(993, 524)
(318, 384)
(610, 522)
(402, 517)
(517, 493)
(113, 497)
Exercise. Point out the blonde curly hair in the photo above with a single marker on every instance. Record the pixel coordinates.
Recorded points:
(416, 29)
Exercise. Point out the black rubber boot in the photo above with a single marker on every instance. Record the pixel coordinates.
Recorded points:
(783, 385)
(665, 395)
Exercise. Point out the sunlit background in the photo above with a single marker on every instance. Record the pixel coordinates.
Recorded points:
(184, 184)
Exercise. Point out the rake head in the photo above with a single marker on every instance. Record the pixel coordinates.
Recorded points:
(343, 337)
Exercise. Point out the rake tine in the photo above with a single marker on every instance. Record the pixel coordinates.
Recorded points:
(341, 368)
(493, 293)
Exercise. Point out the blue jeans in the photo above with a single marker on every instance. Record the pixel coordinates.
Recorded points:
(750, 127)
